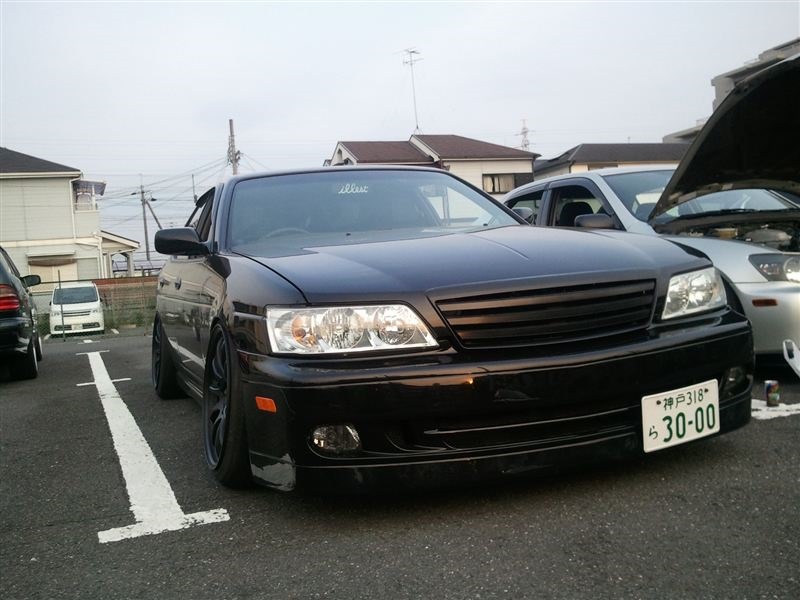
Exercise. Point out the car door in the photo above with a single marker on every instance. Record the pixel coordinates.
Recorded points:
(186, 297)
(533, 199)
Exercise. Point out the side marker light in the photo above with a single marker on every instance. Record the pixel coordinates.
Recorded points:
(266, 404)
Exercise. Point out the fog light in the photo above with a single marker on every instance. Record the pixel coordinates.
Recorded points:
(733, 382)
(336, 439)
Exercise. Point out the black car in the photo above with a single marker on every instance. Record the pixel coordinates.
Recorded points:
(20, 345)
(350, 328)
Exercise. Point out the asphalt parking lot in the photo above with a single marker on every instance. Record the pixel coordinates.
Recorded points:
(715, 519)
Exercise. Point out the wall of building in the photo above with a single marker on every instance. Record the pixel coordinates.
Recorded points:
(37, 219)
(474, 170)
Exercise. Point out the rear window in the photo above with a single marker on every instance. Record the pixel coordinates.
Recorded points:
(74, 295)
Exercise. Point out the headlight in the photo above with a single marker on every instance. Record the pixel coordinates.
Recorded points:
(338, 329)
(694, 292)
(778, 267)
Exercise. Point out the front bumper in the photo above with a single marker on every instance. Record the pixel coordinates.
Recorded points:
(437, 419)
(82, 324)
(772, 322)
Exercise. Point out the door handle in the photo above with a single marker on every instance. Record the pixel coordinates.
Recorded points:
(178, 283)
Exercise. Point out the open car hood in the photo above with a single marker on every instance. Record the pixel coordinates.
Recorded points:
(752, 140)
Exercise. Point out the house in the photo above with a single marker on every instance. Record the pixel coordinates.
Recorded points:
(586, 157)
(723, 84)
(493, 168)
(50, 221)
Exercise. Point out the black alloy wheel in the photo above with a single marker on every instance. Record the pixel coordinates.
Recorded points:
(224, 435)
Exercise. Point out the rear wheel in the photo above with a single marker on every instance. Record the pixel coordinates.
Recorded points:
(39, 353)
(27, 366)
(224, 434)
(164, 374)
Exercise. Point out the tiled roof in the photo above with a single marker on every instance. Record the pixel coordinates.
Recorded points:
(16, 162)
(386, 152)
(616, 153)
(456, 146)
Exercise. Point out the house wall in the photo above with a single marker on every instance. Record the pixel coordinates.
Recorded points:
(474, 170)
(38, 218)
(42, 209)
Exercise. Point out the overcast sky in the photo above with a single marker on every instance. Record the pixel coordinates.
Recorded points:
(120, 90)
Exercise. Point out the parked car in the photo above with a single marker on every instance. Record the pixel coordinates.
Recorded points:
(735, 197)
(20, 344)
(360, 327)
(75, 307)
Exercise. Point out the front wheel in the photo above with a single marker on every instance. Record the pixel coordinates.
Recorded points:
(224, 434)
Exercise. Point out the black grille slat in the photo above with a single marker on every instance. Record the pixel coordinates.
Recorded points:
(549, 330)
(496, 301)
(551, 315)
(548, 313)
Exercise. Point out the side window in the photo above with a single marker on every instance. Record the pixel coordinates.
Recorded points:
(6, 261)
(203, 222)
(532, 201)
(573, 201)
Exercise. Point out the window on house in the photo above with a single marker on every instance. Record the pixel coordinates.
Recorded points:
(498, 184)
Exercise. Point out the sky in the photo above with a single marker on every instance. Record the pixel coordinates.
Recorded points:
(140, 93)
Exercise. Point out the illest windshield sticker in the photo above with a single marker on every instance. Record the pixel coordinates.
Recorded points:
(353, 188)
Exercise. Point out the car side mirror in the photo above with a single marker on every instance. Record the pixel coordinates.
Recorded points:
(599, 221)
(180, 241)
(30, 280)
(524, 212)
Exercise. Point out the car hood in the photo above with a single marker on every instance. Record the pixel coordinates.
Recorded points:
(751, 141)
(374, 271)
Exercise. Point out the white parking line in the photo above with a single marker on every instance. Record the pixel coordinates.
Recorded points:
(153, 503)
(763, 412)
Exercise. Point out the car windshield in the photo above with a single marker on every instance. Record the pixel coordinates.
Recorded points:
(640, 191)
(351, 206)
(74, 295)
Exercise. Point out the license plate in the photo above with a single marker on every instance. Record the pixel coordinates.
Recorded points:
(679, 416)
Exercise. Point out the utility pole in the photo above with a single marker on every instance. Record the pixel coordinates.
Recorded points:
(233, 154)
(412, 54)
(146, 205)
(144, 219)
(524, 133)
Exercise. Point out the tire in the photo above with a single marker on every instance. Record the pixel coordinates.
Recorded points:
(27, 366)
(39, 353)
(163, 372)
(224, 432)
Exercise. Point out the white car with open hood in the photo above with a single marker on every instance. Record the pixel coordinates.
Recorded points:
(735, 197)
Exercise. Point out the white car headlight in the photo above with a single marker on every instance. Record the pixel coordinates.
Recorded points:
(338, 329)
(694, 292)
(778, 267)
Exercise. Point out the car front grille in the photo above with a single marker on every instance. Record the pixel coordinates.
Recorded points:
(552, 315)
(77, 313)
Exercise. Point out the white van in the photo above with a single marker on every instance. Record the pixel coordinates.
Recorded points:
(76, 307)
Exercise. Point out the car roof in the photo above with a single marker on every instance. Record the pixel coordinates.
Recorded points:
(594, 173)
(334, 169)
(76, 284)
